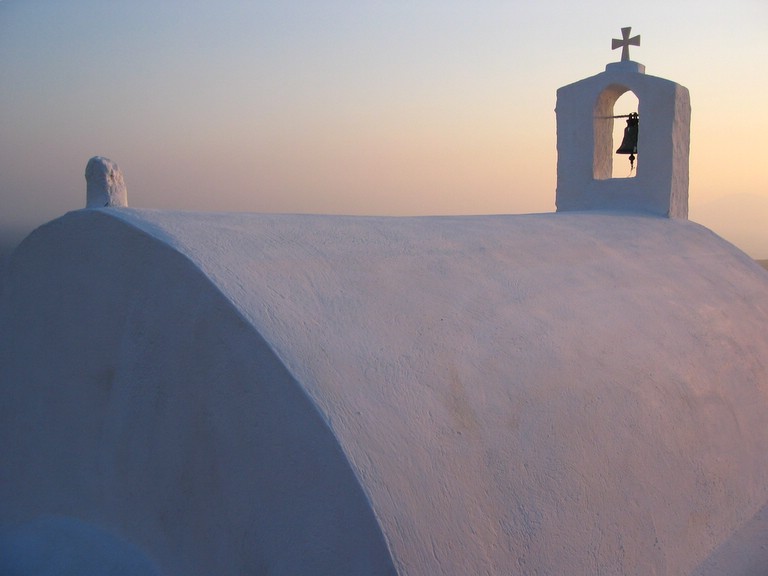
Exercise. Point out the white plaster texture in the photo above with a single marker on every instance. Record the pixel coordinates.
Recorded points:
(236, 393)
(745, 553)
(105, 185)
(586, 151)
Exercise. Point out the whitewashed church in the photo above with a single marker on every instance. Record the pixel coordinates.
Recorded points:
(582, 392)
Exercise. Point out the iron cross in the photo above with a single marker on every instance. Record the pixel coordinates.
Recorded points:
(625, 42)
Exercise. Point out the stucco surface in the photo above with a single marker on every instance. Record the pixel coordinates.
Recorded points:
(576, 393)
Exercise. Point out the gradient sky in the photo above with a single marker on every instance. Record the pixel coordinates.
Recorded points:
(359, 107)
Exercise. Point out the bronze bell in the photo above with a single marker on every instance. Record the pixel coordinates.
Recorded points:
(629, 143)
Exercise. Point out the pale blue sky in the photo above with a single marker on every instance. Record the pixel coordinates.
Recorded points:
(430, 107)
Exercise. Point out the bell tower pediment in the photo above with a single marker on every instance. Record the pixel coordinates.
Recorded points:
(586, 150)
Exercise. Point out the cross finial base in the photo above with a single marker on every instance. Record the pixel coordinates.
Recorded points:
(626, 66)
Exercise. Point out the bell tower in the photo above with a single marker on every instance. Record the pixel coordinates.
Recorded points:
(586, 151)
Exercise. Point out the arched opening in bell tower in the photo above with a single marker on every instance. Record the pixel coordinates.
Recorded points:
(625, 105)
(614, 100)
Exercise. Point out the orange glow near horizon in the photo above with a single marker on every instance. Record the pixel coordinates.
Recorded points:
(370, 108)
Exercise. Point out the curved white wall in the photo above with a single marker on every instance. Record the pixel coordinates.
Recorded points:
(561, 393)
(136, 398)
